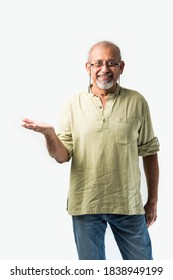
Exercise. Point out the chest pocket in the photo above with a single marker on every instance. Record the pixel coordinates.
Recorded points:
(126, 130)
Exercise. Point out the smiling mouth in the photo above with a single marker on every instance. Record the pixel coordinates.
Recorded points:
(105, 78)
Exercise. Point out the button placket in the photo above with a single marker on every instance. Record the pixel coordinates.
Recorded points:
(103, 113)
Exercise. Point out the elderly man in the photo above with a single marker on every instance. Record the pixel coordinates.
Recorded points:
(104, 131)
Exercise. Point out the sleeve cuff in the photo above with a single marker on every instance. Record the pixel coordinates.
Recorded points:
(149, 148)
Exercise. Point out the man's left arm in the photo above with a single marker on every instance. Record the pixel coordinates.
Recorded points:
(151, 169)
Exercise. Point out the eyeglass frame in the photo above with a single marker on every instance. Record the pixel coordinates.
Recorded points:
(115, 64)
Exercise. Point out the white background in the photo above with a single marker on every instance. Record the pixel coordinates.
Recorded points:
(43, 51)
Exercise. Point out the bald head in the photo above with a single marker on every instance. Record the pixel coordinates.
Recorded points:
(105, 44)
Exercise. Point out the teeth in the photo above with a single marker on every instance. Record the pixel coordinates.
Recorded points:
(105, 76)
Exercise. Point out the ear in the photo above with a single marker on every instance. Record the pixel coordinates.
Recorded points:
(122, 64)
(88, 68)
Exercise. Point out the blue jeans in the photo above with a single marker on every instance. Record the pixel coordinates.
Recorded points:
(130, 233)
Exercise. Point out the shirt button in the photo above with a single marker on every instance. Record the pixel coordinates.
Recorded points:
(100, 107)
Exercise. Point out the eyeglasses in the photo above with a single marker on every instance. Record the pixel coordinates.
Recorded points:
(109, 64)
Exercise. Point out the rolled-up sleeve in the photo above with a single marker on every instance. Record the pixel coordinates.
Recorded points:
(149, 148)
(64, 131)
(148, 143)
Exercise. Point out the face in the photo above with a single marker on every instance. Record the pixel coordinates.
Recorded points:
(105, 67)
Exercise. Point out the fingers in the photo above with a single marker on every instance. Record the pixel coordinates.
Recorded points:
(150, 213)
(30, 124)
(150, 218)
(149, 221)
(37, 126)
(28, 121)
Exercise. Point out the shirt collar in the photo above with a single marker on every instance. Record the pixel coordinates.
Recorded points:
(111, 95)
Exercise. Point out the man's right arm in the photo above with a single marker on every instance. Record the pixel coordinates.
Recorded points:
(55, 147)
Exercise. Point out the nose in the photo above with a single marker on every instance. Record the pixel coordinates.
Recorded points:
(104, 65)
(104, 68)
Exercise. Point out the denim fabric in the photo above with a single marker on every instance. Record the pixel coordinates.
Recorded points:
(130, 233)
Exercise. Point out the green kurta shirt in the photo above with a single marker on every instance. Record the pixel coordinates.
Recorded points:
(105, 145)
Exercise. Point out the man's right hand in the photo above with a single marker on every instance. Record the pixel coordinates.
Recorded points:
(38, 126)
